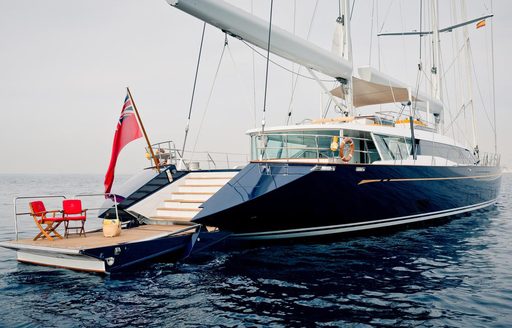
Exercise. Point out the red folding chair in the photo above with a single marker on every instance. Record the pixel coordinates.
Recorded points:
(40, 215)
(72, 211)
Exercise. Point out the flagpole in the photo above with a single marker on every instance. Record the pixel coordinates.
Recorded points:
(155, 160)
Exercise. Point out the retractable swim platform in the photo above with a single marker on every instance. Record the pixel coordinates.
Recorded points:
(135, 239)
(97, 253)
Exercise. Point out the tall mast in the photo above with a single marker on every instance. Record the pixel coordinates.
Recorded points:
(469, 76)
(436, 73)
(347, 52)
(346, 48)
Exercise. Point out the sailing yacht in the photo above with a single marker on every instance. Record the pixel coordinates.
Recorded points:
(330, 176)
(336, 175)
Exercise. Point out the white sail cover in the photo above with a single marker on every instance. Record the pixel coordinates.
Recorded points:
(254, 30)
(373, 87)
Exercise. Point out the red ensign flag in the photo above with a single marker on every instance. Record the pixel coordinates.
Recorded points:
(127, 130)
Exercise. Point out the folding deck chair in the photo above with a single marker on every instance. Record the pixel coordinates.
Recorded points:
(72, 211)
(40, 215)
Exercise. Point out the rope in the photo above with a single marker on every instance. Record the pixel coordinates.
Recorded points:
(493, 85)
(418, 76)
(253, 74)
(300, 67)
(292, 77)
(210, 95)
(371, 35)
(193, 92)
(266, 70)
(242, 81)
(283, 67)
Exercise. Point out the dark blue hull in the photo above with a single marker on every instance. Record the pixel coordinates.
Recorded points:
(280, 201)
(171, 249)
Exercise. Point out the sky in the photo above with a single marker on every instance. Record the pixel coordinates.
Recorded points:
(65, 64)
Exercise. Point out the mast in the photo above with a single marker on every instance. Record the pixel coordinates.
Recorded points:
(342, 47)
(469, 76)
(347, 52)
(436, 76)
(347, 47)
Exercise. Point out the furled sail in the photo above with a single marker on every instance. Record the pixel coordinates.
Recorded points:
(254, 30)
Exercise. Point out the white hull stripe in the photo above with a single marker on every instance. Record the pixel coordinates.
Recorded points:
(335, 229)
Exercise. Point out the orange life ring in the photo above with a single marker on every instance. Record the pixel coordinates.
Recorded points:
(348, 157)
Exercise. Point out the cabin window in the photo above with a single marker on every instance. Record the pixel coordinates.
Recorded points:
(452, 153)
(393, 147)
(311, 145)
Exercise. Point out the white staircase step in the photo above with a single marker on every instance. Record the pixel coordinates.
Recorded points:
(199, 188)
(170, 220)
(197, 196)
(210, 175)
(177, 212)
(206, 181)
(181, 203)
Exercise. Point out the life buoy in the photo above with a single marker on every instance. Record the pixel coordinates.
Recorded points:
(348, 157)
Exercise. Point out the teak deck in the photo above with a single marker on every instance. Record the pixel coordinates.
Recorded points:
(96, 239)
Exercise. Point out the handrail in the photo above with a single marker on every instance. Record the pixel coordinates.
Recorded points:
(168, 154)
(16, 214)
(15, 202)
(211, 159)
(102, 194)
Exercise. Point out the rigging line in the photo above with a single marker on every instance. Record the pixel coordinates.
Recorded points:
(493, 84)
(253, 74)
(300, 67)
(461, 110)
(209, 96)
(404, 48)
(352, 9)
(371, 35)
(386, 16)
(292, 77)
(421, 24)
(230, 53)
(284, 67)
(457, 69)
(193, 91)
(266, 70)
(454, 61)
(439, 65)
(378, 39)
(480, 94)
(418, 76)
(325, 111)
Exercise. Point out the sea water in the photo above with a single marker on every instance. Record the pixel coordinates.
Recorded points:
(458, 273)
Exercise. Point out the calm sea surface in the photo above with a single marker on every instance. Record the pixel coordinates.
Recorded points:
(455, 274)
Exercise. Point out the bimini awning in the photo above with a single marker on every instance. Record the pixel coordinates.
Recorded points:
(373, 88)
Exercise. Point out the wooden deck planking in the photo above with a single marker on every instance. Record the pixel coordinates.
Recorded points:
(96, 239)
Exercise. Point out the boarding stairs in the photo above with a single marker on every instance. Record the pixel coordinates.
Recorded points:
(184, 204)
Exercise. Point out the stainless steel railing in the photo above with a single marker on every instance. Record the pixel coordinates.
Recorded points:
(17, 198)
(168, 154)
(16, 214)
(490, 159)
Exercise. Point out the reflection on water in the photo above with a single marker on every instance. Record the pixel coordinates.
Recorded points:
(452, 274)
